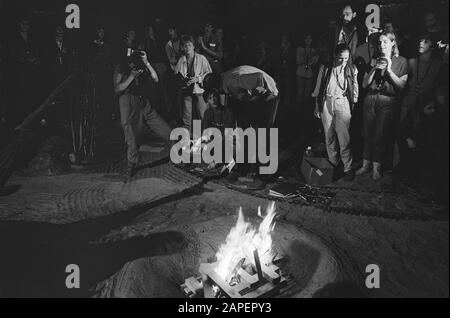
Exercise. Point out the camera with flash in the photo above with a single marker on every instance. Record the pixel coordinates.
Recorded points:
(133, 53)
(135, 57)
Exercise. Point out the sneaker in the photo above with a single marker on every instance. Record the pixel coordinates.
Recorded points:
(349, 175)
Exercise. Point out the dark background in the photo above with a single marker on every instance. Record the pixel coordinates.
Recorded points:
(257, 18)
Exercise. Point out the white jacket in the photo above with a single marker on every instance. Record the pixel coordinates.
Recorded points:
(201, 68)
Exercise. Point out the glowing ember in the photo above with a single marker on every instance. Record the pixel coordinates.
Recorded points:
(242, 241)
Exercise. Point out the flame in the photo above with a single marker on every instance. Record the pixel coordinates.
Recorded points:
(243, 240)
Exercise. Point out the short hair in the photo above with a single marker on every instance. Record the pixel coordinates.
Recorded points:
(212, 81)
(340, 48)
(427, 36)
(212, 92)
(347, 4)
(187, 38)
(127, 32)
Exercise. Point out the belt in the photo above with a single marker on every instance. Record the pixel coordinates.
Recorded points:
(336, 97)
(378, 92)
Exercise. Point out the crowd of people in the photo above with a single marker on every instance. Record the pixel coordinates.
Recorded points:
(385, 89)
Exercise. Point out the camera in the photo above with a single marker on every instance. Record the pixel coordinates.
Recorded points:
(135, 57)
(134, 53)
(379, 77)
(382, 61)
(184, 82)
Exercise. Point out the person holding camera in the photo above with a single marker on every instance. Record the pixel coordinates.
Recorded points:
(191, 70)
(385, 81)
(131, 80)
(336, 92)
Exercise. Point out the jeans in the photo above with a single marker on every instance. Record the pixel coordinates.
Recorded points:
(200, 106)
(135, 112)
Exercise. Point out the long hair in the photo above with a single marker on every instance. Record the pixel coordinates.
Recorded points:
(391, 36)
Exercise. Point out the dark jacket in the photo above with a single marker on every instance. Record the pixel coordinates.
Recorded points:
(350, 38)
(351, 85)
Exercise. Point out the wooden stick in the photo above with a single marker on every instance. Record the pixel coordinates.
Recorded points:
(258, 266)
(32, 116)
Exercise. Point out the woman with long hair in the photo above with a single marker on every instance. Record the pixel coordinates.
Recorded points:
(384, 83)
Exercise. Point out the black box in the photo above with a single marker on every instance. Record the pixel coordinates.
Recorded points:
(317, 171)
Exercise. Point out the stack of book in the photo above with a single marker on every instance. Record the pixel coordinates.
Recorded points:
(286, 191)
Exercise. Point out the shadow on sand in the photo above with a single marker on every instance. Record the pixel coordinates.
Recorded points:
(34, 256)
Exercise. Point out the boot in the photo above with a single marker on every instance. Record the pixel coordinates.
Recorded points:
(364, 169)
(377, 173)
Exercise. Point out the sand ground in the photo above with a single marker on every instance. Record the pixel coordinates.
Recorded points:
(93, 217)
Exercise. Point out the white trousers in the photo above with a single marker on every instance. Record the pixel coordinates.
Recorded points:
(336, 116)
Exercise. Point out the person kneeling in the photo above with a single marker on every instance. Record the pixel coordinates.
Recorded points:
(217, 116)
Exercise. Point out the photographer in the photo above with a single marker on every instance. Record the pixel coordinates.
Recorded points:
(191, 70)
(384, 82)
(131, 80)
